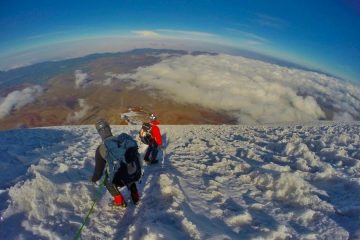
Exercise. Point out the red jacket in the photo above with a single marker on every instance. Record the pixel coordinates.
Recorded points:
(155, 132)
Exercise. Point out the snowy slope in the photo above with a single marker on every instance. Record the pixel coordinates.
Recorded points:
(214, 182)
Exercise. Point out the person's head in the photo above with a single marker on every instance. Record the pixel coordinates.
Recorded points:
(103, 128)
(152, 117)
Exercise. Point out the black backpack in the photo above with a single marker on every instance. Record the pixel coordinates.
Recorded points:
(145, 133)
(132, 165)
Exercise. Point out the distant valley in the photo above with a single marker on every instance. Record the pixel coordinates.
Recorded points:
(62, 102)
(180, 87)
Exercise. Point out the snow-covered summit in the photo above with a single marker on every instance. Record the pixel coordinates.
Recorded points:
(213, 182)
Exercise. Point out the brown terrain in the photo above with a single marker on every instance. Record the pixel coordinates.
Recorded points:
(60, 99)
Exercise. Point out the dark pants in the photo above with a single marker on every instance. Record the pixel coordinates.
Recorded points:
(151, 152)
(117, 182)
(113, 188)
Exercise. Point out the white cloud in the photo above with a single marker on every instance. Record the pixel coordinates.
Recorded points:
(17, 99)
(75, 116)
(185, 33)
(107, 82)
(251, 90)
(172, 33)
(248, 35)
(81, 79)
(269, 21)
(146, 33)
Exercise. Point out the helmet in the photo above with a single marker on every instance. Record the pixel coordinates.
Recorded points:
(103, 128)
(153, 116)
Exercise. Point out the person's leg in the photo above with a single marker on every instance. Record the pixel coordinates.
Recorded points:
(147, 153)
(114, 191)
(154, 152)
(135, 196)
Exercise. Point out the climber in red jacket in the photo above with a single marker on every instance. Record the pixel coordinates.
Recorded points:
(155, 141)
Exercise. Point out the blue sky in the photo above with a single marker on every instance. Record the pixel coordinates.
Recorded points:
(321, 34)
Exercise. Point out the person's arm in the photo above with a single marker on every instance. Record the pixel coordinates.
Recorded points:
(99, 166)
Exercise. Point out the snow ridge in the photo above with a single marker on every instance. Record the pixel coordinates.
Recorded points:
(216, 182)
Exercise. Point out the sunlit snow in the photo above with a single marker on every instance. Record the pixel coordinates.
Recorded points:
(296, 181)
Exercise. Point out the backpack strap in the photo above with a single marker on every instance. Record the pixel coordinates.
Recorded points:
(115, 153)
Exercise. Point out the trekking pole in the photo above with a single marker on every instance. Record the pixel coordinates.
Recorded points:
(142, 174)
(163, 158)
(87, 217)
(164, 153)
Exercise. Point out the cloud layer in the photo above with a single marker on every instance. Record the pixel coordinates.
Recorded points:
(81, 79)
(75, 116)
(17, 99)
(251, 90)
(146, 33)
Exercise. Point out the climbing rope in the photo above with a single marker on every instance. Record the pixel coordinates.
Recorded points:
(87, 217)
